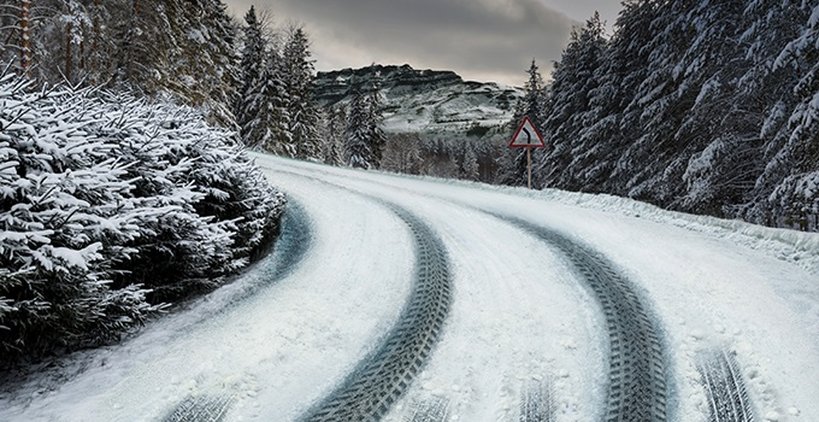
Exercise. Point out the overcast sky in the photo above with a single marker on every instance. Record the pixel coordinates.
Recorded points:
(486, 40)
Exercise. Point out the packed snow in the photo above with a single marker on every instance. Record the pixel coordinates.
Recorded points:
(519, 314)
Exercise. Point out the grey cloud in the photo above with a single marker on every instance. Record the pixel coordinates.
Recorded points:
(480, 39)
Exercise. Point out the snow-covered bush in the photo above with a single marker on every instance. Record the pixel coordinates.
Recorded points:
(110, 207)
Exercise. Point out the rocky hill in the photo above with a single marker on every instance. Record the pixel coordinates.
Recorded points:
(435, 104)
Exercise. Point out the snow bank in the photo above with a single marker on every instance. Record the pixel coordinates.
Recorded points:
(799, 248)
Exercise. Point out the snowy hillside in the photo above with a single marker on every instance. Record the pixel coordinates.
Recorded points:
(436, 104)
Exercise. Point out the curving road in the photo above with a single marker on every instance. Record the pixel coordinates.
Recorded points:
(404, 299)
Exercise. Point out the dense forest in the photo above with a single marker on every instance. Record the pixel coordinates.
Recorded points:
(699, 106)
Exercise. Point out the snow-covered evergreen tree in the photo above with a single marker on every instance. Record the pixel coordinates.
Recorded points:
(334, 127)
(574, 79)
(513, 164)
(269, 126)
(533, 103)
(252, 68)
(606, 129)
(208, 71)
(110, 206)
(65, 221)
(375, 119)
(794, 201)
(357, 134)
(299, 74)
(470, 169)
(670, 112)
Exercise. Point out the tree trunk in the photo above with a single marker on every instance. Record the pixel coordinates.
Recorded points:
(69, 62)
(25, 37)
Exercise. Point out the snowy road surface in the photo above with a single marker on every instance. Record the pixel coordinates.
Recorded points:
(420, 300)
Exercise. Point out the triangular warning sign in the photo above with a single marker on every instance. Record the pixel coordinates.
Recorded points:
(527, 136)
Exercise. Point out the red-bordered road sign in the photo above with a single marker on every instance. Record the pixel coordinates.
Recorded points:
(527, 136)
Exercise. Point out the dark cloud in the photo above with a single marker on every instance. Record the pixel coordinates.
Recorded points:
(480, 39)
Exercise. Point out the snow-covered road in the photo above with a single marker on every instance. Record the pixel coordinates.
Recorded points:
(547, 306)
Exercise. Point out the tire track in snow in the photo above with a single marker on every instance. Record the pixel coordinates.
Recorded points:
(435, 409)
(379, 380)
(537, 402)
(294, 241)
(728, 399)
(288, 252)
(202, 408)
(637, 389)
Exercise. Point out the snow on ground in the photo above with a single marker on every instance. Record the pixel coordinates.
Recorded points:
(278, 350)
(712, 282)
(518, 315)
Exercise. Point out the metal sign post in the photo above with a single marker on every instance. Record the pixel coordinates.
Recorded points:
(529, 165)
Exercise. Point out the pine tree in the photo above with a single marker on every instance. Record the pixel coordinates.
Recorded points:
(514, 163)
(606, 131)
(16, 35)
(375, 118)
(513, 167)
(333, 142)
(207, 64)
(275, 94)
(794, 169)
(533, 103)
(470, 169)
(269, 128)
(358, 132)
(111, 205)
(574, 79)
(147, 38)
(102, 46)
(252, 70)
(403, 154)
(299, 74)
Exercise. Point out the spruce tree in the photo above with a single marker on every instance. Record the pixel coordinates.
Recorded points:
(252, 70)
(299, 75)
(333, 141)
(794, 167)
(147, 40)
(275, 95)
(357, 134)
(375, 120)
(514, 163)
(470, 168)
(269, 127)
(574, 79)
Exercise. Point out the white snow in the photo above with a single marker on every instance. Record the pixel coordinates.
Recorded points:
(518, 313)
(713, 282)
(284, 347)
